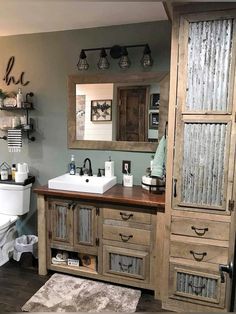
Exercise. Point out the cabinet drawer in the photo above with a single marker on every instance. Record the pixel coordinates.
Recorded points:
(200, 228)
(200, 286)
(199, 252)
(126, 235)
(127, 215)
(125, 263)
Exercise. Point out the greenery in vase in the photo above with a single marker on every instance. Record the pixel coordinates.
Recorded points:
(2, 94)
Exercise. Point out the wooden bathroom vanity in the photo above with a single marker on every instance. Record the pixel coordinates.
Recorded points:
(117, 235)
(181, 247)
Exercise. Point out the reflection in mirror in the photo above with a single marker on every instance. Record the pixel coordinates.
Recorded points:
(94, 114)
(116, 112)
(119, 112)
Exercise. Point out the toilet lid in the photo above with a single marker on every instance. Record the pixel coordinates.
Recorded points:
(6, 220)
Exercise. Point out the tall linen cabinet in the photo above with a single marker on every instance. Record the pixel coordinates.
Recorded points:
(200, 194)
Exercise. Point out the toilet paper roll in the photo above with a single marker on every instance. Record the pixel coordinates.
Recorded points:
(20, 176)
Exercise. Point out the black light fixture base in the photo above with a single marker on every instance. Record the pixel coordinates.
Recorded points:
(116, 52)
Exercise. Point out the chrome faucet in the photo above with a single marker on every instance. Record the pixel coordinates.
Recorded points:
(89, 169)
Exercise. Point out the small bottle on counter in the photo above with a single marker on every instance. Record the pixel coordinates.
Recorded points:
(4, 174)
(109, 168)
(13, 172)
(19, 99)
(72, 167)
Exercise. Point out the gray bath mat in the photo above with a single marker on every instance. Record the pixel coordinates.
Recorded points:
(64, 293)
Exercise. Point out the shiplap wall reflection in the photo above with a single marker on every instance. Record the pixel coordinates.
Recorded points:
(100, 130)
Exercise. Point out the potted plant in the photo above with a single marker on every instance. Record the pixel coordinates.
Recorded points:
(2, 94)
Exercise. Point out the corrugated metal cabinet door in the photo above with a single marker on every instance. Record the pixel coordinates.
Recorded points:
(196, 284)
(85, 228)
(203, 139)
(201, 165)
(61, 222)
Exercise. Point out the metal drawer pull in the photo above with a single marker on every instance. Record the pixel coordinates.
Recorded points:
(125, 267)
(197, 289)
(125, 216)
(198, 256)
(199, 231)
(125, 238)
(175, 188)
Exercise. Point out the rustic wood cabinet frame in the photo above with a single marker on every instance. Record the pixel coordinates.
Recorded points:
(215, 225)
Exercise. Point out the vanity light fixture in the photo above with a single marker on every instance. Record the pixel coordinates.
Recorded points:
(82, 64)
(103, 63)
(124, 62)
(146, 60)
(116, 52)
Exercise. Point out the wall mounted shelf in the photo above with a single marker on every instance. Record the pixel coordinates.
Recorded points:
(28, 127)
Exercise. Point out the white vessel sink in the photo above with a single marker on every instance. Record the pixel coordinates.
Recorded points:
(79, 183)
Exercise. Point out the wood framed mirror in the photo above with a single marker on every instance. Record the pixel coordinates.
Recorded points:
(112, 111)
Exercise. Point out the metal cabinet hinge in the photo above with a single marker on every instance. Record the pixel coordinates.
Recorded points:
(97, 211)
(231, 205)
(72, 205)
(97, 241)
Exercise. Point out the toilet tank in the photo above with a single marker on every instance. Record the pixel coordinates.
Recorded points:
(14, 199)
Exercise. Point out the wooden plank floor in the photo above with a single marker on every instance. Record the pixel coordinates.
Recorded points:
(19, 282)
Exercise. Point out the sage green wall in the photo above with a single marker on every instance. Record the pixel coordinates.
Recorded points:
(47, 59)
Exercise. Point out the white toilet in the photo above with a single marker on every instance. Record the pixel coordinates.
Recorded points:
(14, 202)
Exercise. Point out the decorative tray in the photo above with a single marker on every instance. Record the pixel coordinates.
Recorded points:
(30, 179)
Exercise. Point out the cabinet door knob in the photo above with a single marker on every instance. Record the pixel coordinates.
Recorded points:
(226, 269)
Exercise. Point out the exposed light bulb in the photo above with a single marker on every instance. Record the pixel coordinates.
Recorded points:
(82, 64)
(146, 60)
(124, 62)
(103, 63)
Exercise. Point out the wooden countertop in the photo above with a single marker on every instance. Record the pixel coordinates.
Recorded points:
(135, 196)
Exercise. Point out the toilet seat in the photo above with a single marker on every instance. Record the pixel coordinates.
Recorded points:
(6, 221)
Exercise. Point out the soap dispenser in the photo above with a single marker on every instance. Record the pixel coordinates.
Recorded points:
(109, 168)
(72, 167)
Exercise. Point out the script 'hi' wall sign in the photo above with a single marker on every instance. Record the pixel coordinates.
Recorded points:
(8, 78)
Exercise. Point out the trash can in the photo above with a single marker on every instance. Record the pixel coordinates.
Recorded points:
(25, 248)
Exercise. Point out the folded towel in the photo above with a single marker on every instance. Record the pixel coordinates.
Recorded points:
(159, 161)
(14, 138)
